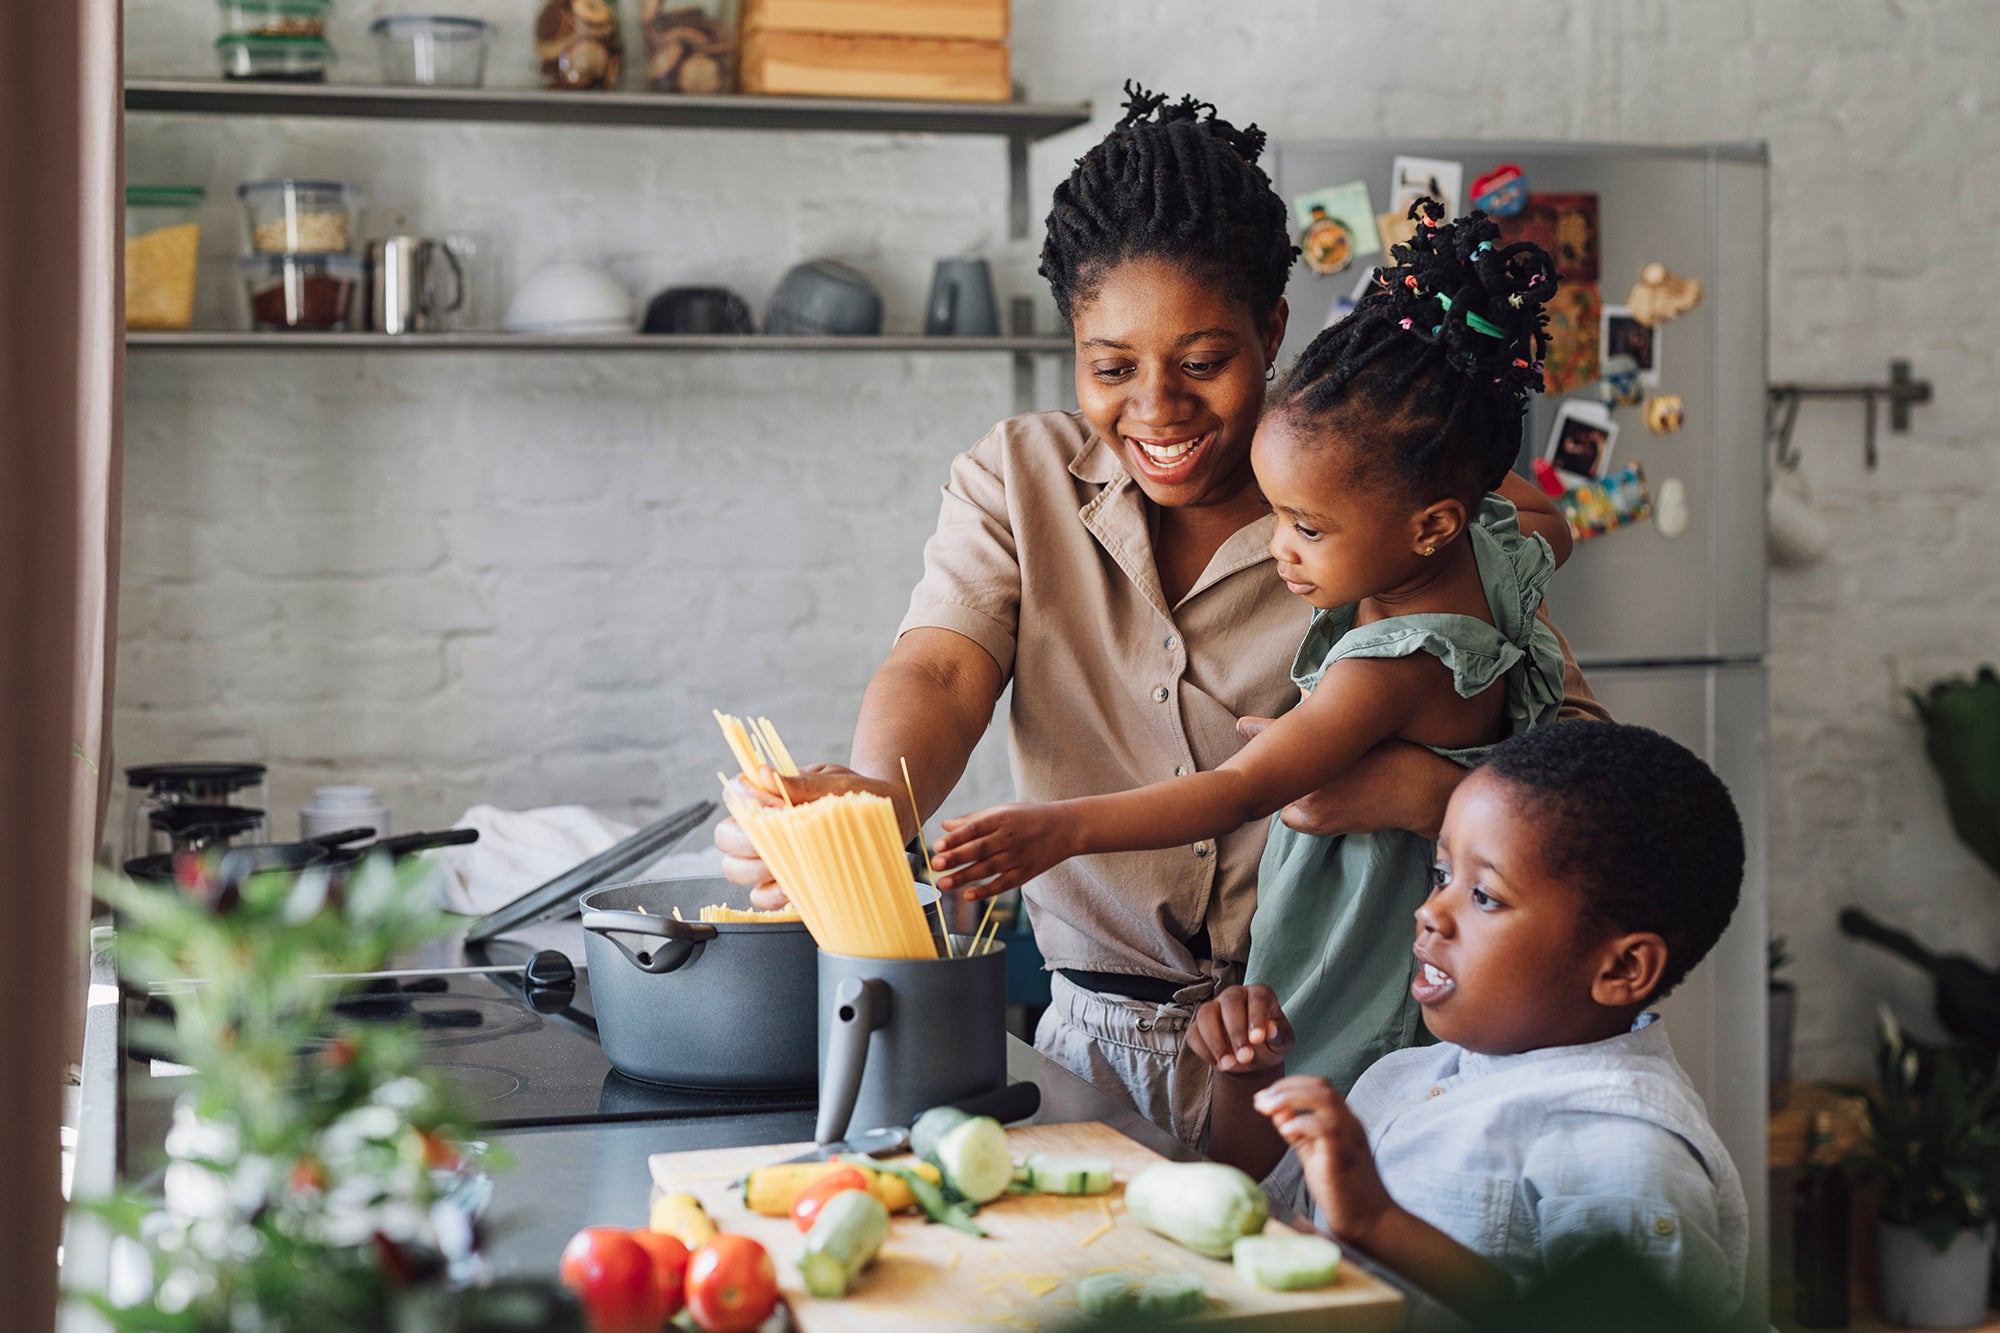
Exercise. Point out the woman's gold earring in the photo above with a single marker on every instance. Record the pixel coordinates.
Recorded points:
(1270, 372)
(1430, 550)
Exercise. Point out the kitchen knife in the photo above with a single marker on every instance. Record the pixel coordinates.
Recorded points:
(1016, 1101)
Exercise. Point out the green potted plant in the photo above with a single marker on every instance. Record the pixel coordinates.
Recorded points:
(317, 1176)
(1934, 1152)
(1783, 1011)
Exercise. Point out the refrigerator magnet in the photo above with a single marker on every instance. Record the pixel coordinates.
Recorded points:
(1575, 329)
(1671, 512)
(1597, 507)
(1623, 335)
(1665, 413)
(1336, 226)
(1581, 441)
(1413, 178)
(1501, 192)
(1565, 225)
(1660, 297)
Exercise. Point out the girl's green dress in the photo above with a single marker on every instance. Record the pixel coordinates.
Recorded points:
(1335, 916)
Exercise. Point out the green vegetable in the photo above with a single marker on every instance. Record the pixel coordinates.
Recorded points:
(1068, 1175)
(850, 1228)
(931, 1199)
(931, 1126)
(976, 1159)
(1161, 1296)
(1205, 1206)
(1287, 1263)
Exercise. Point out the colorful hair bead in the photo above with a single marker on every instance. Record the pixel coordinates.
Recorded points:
(1406, 324)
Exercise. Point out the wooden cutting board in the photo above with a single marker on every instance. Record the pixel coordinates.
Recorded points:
(1024, 1274)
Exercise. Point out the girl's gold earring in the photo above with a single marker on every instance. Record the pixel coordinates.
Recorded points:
(1430, 550)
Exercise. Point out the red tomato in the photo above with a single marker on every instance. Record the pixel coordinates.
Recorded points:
(806, 1207)
(612, 1275)
(732, 1285)
(670, 1261)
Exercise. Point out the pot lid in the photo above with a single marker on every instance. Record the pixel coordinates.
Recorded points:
(192, 776)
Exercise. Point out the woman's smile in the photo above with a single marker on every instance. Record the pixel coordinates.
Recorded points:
(1169, 460)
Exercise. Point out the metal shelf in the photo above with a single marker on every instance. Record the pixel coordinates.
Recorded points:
(744, 111)
(658, 343)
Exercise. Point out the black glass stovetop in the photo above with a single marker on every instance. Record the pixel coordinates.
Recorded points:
(516, 1062)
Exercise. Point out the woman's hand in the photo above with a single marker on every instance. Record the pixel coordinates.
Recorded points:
(1006, 846)
(1333, 1148)
(740, 862)
(1241, 1031)
(1396, 785)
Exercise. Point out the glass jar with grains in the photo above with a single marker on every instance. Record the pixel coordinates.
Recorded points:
(162, 246)
(578, 44)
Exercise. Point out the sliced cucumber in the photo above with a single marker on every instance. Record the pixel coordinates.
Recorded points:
(850, 1228)
(976, 1159)
(931, 1126)
(1068, 1175)
(1159, 1296)
(1287, 1263)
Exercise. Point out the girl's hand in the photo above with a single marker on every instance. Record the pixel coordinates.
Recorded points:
(1011, 844)
(1333, 1148)
(1241, 1031)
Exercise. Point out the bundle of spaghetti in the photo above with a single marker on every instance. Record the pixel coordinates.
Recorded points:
(756, 746)
(840, 860)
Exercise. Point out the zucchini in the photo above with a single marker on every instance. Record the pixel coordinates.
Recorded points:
(1068, 1175)
(1205, 1206)
(844, 1239)
(1287, 1263)
(976, 1158)
(930, 1198)
(1160, 1296)
(933, 1125)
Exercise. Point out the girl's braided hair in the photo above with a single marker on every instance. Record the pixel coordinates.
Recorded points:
(1431, 372)
(1170, 182)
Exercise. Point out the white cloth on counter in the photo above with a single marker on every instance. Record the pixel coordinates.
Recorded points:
(519, 849)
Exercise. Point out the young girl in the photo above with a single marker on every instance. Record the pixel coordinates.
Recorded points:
(1378, 455)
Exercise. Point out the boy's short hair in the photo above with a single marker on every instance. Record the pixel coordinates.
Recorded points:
(1638, 825)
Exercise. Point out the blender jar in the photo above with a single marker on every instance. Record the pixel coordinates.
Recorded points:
(162, 797)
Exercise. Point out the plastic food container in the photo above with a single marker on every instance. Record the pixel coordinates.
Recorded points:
(162, 245)
(280, 59)
(300, 292)
(275, 18)
(432, 50)
(285, 216)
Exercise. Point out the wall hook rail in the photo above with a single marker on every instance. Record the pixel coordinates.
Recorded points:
(1902, 391)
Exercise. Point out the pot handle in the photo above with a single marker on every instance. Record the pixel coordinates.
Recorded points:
(684, 939)
(859, 1007)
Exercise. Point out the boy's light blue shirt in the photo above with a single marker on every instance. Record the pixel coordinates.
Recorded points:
(1528, 1159)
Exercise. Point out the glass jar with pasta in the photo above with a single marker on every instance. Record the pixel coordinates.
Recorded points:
(162, 253)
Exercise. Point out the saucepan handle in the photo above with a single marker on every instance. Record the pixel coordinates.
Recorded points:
(683, 939)
(860, 1006)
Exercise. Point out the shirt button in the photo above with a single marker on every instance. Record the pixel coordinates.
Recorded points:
(1171, 643)
(1435, 1092)
(1159, 694)
(1180, 770)
(1201, 849)
(1663, 1226)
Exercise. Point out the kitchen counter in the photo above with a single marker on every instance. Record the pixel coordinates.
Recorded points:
(563, 1177)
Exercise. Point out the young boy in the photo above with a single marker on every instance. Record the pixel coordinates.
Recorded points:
(1582, 871)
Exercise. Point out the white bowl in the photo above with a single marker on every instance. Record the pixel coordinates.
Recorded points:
(570, 297)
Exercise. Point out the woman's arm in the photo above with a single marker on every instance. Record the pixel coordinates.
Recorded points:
(1539, 514)
(1358, 703)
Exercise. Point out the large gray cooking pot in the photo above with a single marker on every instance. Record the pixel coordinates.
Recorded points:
(700, 1006)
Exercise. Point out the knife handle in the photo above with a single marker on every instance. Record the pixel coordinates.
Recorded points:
(1016, 1101)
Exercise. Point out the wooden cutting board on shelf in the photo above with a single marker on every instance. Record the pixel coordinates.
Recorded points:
(1024, 1274)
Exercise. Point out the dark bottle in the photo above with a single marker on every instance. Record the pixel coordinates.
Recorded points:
(1820, 1232)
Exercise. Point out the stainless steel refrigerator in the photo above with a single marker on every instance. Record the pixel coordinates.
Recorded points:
(1669, 628)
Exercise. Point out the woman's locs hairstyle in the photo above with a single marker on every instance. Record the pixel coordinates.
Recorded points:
(1171, 182)
(1431, 373)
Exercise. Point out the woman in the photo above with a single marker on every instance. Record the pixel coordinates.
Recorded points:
(1113, 564)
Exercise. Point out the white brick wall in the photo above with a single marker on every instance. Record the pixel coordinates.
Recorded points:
(524, 580)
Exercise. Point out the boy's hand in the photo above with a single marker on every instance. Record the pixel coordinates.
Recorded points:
(1333, 1148)
(1241, 1031)
(1006, 846)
